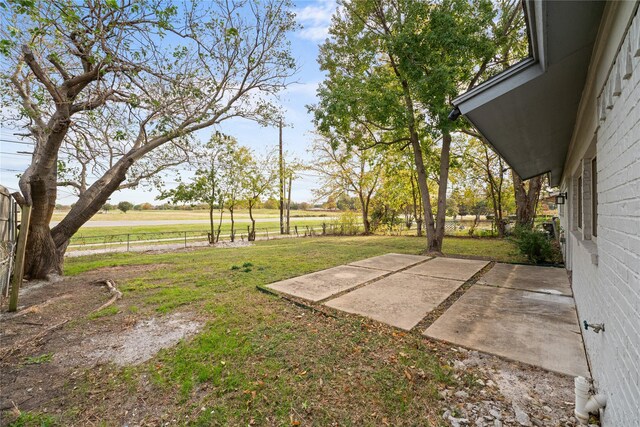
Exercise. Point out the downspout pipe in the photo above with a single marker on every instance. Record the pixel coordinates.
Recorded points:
(585, 401)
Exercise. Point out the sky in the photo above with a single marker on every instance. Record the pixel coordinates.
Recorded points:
(315, 17)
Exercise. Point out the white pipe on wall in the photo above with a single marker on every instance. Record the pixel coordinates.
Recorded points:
(585, 402)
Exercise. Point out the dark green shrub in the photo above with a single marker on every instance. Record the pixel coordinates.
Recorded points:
(535, 245)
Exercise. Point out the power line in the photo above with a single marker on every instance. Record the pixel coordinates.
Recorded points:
(14, 154)
(16, 142)
(10, 170)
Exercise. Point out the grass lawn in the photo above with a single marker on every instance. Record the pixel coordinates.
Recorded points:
(260, 360)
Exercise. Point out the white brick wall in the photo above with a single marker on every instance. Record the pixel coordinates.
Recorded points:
(607, 287)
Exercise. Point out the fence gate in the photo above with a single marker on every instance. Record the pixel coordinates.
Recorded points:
(8, 232)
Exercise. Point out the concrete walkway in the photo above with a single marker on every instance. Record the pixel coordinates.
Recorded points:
(323, 284)
(522, 313)
(401, 300)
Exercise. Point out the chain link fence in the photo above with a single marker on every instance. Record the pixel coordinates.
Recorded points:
(167, 240)
(464, 227)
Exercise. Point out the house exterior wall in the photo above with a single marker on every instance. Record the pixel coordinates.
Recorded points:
(605, 267)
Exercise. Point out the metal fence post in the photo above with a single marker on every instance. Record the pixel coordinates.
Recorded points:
(185, 239)
(128, 240)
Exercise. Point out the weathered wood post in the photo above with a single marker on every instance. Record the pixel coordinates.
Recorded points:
(18, 271)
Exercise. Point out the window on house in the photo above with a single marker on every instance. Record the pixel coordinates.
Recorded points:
(580, 202)
(594, 198)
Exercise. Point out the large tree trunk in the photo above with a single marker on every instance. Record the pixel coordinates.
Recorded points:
(364, 205)
(526, 199)
(46, 248)
(252, 234)
(416, 207)
(41, 256)
(496, 203)
(433, 245)
(39, 186)
(442, 191)
(211, 227)
(233, 227)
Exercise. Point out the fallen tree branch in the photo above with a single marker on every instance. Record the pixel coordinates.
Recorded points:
(113, 290)
(35, 308)
(32, 341)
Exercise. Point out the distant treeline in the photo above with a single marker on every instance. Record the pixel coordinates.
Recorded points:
(267, 204)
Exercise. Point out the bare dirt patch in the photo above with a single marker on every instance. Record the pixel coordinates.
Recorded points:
(52, 339)
(132, 346)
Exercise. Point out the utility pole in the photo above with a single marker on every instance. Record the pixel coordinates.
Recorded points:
(289, 202)
(281, 183)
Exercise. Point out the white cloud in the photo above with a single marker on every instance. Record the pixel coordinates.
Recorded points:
(315, 19)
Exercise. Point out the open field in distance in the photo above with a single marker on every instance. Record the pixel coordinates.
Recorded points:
(158, 215)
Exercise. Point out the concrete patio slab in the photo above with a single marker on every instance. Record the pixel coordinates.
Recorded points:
(390, 262)
(449, 268)
(529, 327)
(548, 280)
(399, 300)
(323, 284)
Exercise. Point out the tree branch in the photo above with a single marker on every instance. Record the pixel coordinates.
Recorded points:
(59, 67)
(30, 59)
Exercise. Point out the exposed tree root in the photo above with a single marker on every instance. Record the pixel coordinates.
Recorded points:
(113, 290)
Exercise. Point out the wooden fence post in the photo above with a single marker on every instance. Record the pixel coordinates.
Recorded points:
(18, 270)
